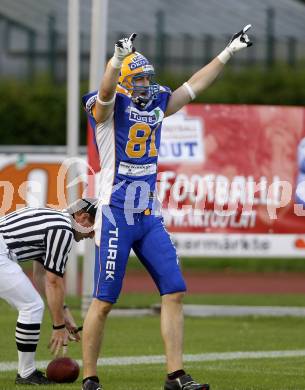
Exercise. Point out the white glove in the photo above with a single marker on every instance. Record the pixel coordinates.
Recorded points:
(237, 42)
(122, 48)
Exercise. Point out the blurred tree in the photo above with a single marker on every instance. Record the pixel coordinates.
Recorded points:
(35, 114)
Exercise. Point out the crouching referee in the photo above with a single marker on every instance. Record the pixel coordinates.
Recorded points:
(44, 235)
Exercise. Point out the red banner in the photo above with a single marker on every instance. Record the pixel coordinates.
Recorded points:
(232, 169)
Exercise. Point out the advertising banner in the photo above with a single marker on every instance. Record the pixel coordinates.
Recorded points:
(228, 177)
(231, 179)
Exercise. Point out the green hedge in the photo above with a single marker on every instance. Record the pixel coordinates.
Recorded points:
(35, 113)
(279, 85)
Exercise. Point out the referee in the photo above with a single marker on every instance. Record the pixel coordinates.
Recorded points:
(44, 235)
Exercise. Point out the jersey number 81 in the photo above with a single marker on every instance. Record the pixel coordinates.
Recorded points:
(136, 145)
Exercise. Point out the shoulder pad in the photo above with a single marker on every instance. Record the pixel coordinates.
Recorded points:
(165, 89)
(89, 100)
(122, 90)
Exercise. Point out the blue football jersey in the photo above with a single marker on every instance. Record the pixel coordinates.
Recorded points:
(128, 143)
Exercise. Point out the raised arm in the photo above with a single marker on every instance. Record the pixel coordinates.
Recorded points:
(206, 75)
(106, 94)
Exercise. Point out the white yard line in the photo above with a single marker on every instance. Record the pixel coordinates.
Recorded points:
(240, 311)
(155, 359)
(218, 311)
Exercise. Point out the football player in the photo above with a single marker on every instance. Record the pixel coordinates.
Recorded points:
(127, 113)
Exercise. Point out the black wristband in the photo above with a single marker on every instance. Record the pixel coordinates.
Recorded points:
(56, 327)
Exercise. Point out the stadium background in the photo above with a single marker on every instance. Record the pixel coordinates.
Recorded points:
(33, 112)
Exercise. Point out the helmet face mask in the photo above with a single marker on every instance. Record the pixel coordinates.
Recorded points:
(143, 94)
(136, 67)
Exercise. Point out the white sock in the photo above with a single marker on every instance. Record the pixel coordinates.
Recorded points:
(26, 363)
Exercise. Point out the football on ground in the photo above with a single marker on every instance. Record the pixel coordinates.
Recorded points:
(63, 370)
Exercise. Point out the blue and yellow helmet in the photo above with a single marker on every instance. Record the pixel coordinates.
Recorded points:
(136, 66)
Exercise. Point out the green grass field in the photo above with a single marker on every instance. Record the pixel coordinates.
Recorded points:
(140, 337)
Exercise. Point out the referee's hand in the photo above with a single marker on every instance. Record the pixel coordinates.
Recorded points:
(74, 333)
(59, 339)
(71, 326)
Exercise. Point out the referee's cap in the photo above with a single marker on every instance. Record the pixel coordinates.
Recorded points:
(89, 205)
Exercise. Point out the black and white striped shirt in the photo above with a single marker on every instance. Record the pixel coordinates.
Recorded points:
(42, 234)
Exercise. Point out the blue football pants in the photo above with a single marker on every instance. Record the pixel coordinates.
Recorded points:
(148, 237)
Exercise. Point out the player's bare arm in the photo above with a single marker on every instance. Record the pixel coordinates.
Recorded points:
(106, 94)
(206, 75)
